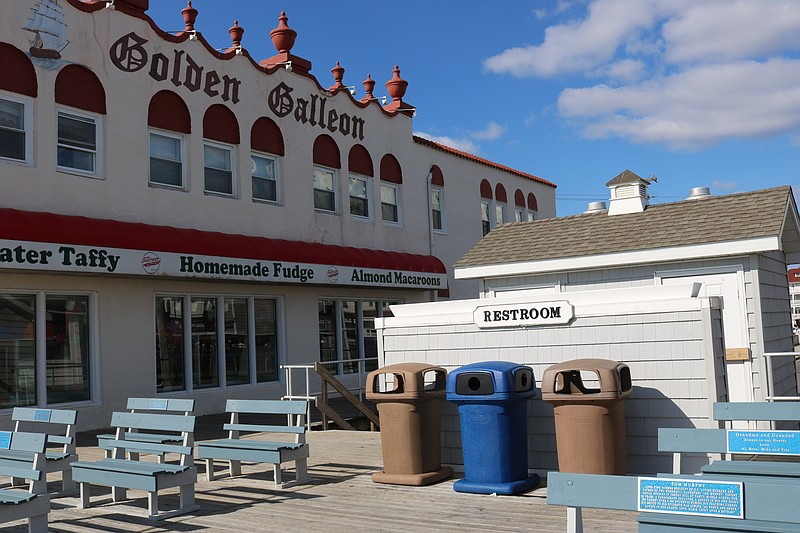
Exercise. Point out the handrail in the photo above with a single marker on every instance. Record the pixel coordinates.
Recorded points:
(770, 385)
(328, 379)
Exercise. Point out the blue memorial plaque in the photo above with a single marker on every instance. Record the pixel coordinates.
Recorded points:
(158, 404)
(764, 442)
(691, 497)
(42, 415)
(5, 440)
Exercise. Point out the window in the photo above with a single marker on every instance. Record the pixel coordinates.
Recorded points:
(218, 169)
(390, 207)
(55, 340)
(166, 159)
(519, 214)
(531, 215)
(324, 189)
(233, 341)
(485, 224)
(359, 197)
(265, 182)
(77, 142)
(13, 137)
(437, 208)
(499, 213)
(347, 337)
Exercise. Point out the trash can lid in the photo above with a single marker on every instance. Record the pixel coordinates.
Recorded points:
(491, 381)
(405, 381)
(564, 381)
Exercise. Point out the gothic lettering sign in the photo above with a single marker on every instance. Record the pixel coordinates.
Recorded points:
(523, 314)
(129, 54)
(313, 111)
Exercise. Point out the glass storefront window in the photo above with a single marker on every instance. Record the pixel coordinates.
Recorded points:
(17, 350)
(205, 369)
(351, 348)
(169, 344)
(266, 338)
(67, 348)
(328, 334)
(237, 356)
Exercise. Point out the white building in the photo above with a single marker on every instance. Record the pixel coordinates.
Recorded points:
(180, 221)
(689, 294)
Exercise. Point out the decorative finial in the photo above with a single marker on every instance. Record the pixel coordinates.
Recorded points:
(338, 74)
(236, 32)
(369, 86)
(283, 36)
(396, 87)
(189, 16)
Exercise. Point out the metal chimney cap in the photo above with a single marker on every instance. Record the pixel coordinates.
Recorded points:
(596, 207)
(699, 192)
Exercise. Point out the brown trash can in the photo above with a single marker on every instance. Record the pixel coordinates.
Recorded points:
(409, 399)
(590, 422)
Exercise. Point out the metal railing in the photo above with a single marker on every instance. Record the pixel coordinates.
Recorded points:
(768, 358)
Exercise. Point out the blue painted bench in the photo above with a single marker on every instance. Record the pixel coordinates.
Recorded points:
(59, 426)
(121, 474)
(34, 503)
(765, 507)
(150, 405)
(235, 449)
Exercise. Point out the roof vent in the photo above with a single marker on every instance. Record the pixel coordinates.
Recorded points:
(596, 207)
(699, 192)
(628, 194)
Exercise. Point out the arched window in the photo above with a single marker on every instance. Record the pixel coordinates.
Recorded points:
(519, 206)
(327, 160)
(266, 143)
(533, 206)
(169, 121)
(391, 179)
(18, 87)
(486, 205)
(220, 136)
(80, 128)
(359, 163)
(500, 202)
(437, 198)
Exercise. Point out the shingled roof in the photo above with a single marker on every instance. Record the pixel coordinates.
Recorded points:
(716, 219)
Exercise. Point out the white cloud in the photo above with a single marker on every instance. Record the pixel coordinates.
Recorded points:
(492, 132)
(463, 144)
(682, 73)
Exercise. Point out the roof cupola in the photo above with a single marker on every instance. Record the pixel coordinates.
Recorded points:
(628, 194)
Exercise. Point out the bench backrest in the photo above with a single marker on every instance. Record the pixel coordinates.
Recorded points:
(757, 411)
(57, 424)
(177, 405)
(295, 410)
(184, 424)
(32, 468)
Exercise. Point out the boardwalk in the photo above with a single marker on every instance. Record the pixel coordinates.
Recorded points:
(340, 498)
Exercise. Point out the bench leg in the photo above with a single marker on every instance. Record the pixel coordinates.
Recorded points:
(37, 524)
(67, 485)
(236, 468)
(210, 470)
(118, 494)
(152, 505)
(301, 470)
(85, 488)
(277, 469)
(574, 520)
(187, 496)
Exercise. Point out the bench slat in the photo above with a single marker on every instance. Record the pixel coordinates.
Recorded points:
(157, 422)
(754, 468)
(152, 447)
(760, 411)
(162, 438)
(651, 522)
(250, 443)
(273, 407)
(692, 440)
(14, 497)
(133, 467)
(55, 416)
(154, 404)
(18, 455)
(265, 429)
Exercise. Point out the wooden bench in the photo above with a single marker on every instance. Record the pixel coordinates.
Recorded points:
(235, 449)
(33, 504)
(150, 405)
(765, 507)
(59, 426)
(121, 474)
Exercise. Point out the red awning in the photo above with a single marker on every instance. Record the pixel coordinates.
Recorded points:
(66, 229)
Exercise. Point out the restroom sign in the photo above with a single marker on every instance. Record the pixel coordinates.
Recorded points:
(528, 314)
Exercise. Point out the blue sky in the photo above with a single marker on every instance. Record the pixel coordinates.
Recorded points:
(574, 91)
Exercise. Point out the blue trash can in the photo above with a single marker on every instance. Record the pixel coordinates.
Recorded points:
(492, 399)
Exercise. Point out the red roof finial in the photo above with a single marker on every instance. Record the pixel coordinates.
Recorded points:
(369, 86)
(396, 87)
(283, 36)
(236, 32)
(338, 74)
(189, 16)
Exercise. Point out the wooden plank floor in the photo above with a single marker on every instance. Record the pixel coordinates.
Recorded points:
(340, 498)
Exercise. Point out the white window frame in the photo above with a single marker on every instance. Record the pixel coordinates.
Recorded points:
(275, 178)
(531, 215)
(231, 149)
(398, 204)
(486, 205)
(335, 191)
(500, 213)
(519, 214)
(97, 120)
(182, 141)
(368, 191)
(435, 189)
(27, 127)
